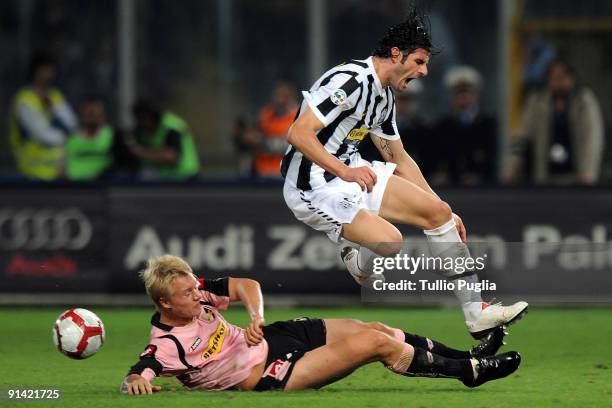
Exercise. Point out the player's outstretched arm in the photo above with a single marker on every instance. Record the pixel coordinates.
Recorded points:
(249, 293)
(135, 384)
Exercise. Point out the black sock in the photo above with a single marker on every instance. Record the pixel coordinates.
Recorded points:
(435, 347)
(427, 364)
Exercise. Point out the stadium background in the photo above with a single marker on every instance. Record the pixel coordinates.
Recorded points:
(67, 244)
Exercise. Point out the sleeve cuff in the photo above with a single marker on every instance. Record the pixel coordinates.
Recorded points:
(384, 136)
(314, 108)
(148, 374)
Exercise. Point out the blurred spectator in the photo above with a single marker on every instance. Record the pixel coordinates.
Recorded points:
(413, 129)
(89, 150)
(466, 138)
(163, 142)
(40, 122)
(96, 150)
(537, 56)
(562, 129)
(274, 122)
(246, 138)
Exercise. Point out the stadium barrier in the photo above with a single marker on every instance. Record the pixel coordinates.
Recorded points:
(549, 245)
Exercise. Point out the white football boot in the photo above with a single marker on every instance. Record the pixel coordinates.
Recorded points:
(350, 257)
(496, 315)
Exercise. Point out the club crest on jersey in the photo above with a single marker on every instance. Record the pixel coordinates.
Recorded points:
(207, 314)
(338, 97)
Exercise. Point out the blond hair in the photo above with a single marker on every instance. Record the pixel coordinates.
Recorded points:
(160, 273)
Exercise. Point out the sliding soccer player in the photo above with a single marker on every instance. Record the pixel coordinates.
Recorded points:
(192, 341)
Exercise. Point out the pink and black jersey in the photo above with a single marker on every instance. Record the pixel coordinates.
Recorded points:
(209, 353)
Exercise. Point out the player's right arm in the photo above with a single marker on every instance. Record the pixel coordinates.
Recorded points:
(138, 380)
(220, 292)
(135, 384)
(303, 136)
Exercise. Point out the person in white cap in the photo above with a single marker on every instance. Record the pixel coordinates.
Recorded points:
(466, 137)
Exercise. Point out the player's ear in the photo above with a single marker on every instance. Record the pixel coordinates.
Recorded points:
(164, 303)
(395, 53)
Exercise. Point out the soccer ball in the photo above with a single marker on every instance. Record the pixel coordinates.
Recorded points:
(78, 333)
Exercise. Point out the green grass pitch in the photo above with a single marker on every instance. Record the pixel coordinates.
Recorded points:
(567, 362)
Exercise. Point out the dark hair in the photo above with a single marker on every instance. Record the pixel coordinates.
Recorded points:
(38, 61)
(144, 107)
(564, 63)
(91, 98)
(408, 36)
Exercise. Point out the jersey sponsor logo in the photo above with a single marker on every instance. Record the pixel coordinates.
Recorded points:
(149, 351)
(357, 135)
(195, 344)
(338, 97)
(215, 342)
(277, 370)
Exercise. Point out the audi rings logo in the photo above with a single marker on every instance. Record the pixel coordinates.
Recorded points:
(44, 228)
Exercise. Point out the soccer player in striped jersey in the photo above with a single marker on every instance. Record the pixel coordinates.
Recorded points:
(191, 341)
(329, 187)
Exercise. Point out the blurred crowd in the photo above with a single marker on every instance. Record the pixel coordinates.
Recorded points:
(560, 139)
(51, 142)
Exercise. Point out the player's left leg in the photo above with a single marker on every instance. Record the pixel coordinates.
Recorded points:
(327, 364)
(339, 329)
(405, 202)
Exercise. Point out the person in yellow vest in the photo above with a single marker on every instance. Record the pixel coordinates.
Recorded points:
(40, 122)
(163, 142)
(90, 150)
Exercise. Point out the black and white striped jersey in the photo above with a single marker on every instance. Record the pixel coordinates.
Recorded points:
(351, 102)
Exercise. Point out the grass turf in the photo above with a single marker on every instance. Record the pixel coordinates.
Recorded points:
(567, 362)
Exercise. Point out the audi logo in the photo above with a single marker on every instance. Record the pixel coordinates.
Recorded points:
(45, 228)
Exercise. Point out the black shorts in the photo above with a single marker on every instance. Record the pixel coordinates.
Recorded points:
(287, 342)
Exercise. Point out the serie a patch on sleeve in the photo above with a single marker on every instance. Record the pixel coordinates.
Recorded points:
(149, 351)
(338, 97)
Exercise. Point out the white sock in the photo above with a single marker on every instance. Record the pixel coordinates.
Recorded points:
(357, 265)
(444, 241)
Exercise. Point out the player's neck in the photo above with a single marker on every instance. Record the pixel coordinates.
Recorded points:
(382, 66)
(175, 321)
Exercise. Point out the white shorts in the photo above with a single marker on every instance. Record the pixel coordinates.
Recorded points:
(326, 208)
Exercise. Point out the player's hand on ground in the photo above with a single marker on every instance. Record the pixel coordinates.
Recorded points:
(138, 385)
(460, 227)
(364, 176)
(254, 333)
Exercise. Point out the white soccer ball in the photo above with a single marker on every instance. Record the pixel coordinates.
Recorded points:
(78, 333)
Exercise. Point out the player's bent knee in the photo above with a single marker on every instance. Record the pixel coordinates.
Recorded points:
(392, 244)
(439, 213)
(388, 248)
(377, 342)
(378, 326)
